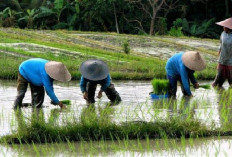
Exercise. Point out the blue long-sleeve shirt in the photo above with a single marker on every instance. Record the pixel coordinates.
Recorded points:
(33, 70)
(105, 83)
(176, 68)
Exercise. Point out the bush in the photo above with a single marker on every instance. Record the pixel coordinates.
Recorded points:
(161, 26)
(126, 47)
(176, 32)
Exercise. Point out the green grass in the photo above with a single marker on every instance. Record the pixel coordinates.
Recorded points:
(95, 125)
(76, 49)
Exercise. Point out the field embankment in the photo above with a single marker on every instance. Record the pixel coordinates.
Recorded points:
(146, 59)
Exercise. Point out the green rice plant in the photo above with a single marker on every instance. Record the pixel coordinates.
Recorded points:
(205, 86)
(66, 102)
(160, 86)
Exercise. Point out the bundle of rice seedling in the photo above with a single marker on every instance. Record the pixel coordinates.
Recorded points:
(160, 86)
(66, 102)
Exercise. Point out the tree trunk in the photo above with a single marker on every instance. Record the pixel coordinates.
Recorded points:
(116, 21)
(152, 25)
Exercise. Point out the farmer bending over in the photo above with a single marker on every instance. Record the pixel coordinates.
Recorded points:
(96, 72)
(40, 73)
(181, 67)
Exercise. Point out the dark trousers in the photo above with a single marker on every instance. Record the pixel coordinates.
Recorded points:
(173, 86)
(223, 72)
(37, 93)
(111, 93)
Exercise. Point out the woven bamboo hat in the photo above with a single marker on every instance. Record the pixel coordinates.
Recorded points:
(193, 60)
(226, 23)
(94, 69)
(57, 71)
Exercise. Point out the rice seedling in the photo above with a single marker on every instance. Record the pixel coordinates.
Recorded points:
(205, 86)
(160, 86)
(66, 102)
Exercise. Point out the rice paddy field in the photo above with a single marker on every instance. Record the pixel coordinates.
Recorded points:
(138, 126)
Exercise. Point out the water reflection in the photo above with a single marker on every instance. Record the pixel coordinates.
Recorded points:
(215, 146)
(208, 106)
(136, 105)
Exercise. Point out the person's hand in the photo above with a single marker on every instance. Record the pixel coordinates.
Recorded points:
(99, 94)
(85, 95)
(188, 96)
(62, 106)
(196, 85)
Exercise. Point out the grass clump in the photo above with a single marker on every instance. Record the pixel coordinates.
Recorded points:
(93, 126)
(160, 86)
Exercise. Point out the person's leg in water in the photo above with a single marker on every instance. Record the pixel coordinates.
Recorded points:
(229, 75)
(91, 88)
(37, 95)
(172, 86)
(220, 77)
(22, 85)
(113, 95)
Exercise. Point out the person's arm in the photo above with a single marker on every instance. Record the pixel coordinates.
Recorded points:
(48, 85)
(219, 51)
(193, 80)
(184, 80)
(191, 77)
(83, 83)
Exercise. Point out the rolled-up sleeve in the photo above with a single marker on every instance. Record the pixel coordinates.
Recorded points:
(83, 83)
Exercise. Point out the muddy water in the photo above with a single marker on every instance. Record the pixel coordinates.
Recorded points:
(136, 106)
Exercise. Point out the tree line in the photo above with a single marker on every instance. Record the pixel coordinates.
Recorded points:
(151, 17)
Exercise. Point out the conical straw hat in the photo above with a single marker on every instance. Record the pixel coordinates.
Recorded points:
(94, 69)
(226, 23)
(193, 61)
(57, 71)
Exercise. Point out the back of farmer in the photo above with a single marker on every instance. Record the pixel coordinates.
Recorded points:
(95, 72)
(40, 74)
(181, 67)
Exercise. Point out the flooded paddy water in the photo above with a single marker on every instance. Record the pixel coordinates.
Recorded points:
(136, 106)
